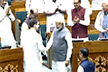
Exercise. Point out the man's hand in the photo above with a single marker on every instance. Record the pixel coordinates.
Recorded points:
(7, 11)
(106, 30)
(76, 20)
(66, 63)
(47, 34)
(56, 10)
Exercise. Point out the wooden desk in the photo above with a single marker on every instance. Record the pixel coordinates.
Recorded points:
(98, 54)
(11, 60)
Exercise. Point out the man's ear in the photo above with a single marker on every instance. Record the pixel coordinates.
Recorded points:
(62, 24)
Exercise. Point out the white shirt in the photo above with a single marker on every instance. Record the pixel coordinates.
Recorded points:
(34, 4)
(80, 69)
(69, 42)
(98, 24)
(24, 29)
(50, 7)
(31, 47)
(11, 16)
(6, 34)
(86, 20)
(84, 3)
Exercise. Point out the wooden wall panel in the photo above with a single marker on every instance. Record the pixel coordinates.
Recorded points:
(98, 54)
(11, 60)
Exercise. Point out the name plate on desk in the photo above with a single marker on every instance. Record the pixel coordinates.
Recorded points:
(103, 39)
(77, 40)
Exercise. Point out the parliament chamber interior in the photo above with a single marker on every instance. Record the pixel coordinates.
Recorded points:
(11, 60)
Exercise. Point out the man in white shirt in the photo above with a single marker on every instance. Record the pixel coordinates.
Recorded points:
(54, 9)
(61, 43)
(7, 38)
(34, 4)
(25, 25)
(11, 16)
(32, 44)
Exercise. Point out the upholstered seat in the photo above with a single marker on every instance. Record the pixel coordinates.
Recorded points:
(93, 36)
(43, 30)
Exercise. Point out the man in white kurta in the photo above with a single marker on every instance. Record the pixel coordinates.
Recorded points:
(32, 44)
(53, 14)
(59, 65)
(34, 4)
(101, 23)
(7, 38)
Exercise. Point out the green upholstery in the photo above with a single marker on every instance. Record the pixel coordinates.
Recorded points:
(0, 44)
(9, 2)
(43, 30)
(93, 36)
(22, 16)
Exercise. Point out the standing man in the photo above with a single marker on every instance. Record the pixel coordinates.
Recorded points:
(101, 23)
(31, 47)
(10, 14)
(80, 21)
(84, 3)
(61, 43)
(34, 4)
(86, 65)
(54, 9)
(26, 25)
(7, 38)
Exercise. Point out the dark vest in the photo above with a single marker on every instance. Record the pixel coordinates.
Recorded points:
(60, 46)
(79, 29)
(88, 66)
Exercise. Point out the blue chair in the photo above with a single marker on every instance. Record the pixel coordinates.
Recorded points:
(93, 36)
(22, 16)
(9, 2)
(0, 44)
(43, 30)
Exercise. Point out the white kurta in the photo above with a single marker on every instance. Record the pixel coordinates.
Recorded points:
(59, 66)
(50, 8)
(11, 16)
(6, 34)
(34, 4)
(31, 46)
